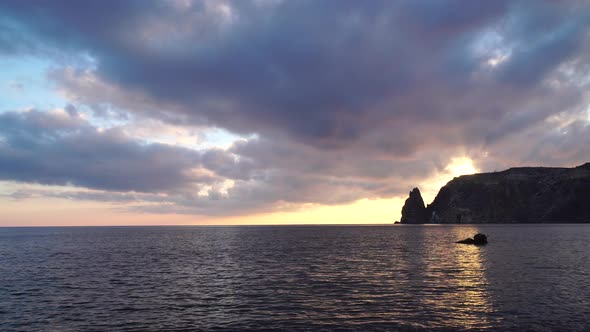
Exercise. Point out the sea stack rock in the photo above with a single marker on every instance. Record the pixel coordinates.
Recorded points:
(478, 240)
(414, 211)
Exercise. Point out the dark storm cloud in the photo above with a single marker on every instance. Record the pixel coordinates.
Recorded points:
(543, 38)
(347, 73)
(349, 99)
(319, 72)
(60, 149)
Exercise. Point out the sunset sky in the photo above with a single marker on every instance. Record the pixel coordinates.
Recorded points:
(270, 111)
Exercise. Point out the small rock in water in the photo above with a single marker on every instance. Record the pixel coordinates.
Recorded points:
(478, 239)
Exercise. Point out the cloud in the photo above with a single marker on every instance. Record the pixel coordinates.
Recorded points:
(58, 148)
(347, 99)
(61, 148)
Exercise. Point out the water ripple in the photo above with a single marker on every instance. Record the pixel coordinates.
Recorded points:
(532, 277)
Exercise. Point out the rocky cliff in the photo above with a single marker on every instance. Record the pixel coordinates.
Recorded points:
(516, 195)
(414, 209)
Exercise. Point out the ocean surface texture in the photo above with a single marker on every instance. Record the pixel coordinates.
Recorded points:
(295, 278)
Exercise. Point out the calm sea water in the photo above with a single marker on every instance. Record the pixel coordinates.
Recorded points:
(314, 278)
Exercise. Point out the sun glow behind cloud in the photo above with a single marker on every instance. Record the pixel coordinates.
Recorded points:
(458, 166)
(461, 166)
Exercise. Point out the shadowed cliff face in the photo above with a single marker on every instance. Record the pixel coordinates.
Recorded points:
(519, 195)
(414, 211)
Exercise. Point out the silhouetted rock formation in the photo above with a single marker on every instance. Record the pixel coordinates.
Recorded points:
(414, 211)
(516, 195)
(478, 240)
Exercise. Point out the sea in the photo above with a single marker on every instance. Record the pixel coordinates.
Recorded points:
(295, 278)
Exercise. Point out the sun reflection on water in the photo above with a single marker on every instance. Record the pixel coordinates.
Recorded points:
(458, 285)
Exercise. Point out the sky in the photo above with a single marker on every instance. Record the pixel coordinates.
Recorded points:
(278, 112)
